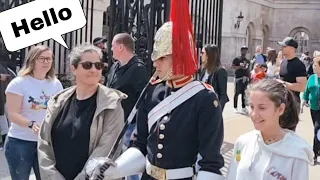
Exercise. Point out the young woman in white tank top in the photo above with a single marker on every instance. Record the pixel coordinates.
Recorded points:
(272, 72)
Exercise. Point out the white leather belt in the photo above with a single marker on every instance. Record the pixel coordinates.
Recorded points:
(165, 174)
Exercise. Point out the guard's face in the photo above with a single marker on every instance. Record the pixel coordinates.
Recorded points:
(263, 112)
(163, 65)
(88, 71)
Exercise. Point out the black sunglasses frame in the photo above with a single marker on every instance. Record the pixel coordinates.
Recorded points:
(88, 65)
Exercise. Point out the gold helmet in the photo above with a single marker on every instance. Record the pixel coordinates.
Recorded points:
(162, 42)
(176, 38)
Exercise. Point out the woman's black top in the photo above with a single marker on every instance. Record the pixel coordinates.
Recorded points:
(71, 135)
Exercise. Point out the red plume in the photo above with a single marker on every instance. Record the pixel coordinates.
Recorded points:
(183, 44)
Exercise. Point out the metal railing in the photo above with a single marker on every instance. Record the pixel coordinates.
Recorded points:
(142, 18)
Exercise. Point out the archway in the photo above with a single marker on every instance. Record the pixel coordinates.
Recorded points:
(250, 33)
(265, 42)
(302, 36)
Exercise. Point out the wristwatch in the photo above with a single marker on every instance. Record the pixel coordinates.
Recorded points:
(30, 124)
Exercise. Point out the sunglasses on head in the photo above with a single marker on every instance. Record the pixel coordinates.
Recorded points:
(88, 65)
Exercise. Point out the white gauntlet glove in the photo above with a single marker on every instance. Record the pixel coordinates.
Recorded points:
(100, 168)
(131, 162)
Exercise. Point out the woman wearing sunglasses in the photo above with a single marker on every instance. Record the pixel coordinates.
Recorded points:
(82, 122)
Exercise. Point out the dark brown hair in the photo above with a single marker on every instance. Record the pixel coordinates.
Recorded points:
(279, 93)
(213, 61)
(272, 56)
(126, 40)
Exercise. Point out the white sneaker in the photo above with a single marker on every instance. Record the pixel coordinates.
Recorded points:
(245, 111)
(235, 110)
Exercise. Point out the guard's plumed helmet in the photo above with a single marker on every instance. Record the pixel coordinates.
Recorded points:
(176, 38)
(162, 42)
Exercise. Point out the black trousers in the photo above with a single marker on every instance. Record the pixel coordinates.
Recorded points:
(315, 115)
(240, 88)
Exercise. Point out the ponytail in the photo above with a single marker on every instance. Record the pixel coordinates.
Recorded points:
(290, 117)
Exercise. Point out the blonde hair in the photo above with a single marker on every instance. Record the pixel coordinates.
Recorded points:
(316, 54)
(29, 63)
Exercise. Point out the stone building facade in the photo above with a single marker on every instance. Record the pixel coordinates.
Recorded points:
(267, 21)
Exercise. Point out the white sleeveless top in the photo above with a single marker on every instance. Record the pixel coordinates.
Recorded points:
(271, 69)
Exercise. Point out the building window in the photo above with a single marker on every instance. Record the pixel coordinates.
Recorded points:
(303, 40)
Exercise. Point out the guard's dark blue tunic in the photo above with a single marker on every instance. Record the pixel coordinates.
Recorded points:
(193, 127)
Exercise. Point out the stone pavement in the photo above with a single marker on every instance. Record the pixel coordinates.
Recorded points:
(235, 125)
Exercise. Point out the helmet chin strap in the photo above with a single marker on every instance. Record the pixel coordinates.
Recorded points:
(168, 75)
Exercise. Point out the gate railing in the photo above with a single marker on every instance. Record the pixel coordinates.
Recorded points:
(139, 18)
(72, 38)
(142, 18)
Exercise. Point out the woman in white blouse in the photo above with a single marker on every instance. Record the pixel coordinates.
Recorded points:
(272, 64)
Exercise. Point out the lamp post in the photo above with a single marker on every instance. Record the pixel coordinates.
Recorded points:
(239, 19)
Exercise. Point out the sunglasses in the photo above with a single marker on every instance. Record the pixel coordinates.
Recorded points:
(88, 65)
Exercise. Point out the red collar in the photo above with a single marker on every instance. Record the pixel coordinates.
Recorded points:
(177, 83)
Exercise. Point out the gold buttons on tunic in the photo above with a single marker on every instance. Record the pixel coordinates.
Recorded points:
(165, 118)
(162, 127)
(161, 136)
(159, 155)
(160, 146)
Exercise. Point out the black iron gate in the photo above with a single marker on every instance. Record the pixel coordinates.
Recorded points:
(15, 59)
(142, 18)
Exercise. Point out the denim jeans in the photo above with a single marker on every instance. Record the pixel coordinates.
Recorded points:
(126, 143)
(21, 157)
